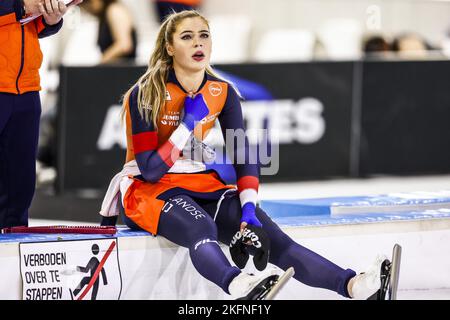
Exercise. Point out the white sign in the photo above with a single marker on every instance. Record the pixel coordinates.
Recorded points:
(70, 270)
(113, 131)
(289, 121)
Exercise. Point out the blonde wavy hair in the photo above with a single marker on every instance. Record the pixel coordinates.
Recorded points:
(152, 85)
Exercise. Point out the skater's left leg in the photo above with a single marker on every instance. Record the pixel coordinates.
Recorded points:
(310, 268)
(185, 223)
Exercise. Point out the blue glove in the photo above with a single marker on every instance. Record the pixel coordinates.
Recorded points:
(249, 215)
(195, 109)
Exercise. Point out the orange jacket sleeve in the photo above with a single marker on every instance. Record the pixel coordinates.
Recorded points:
(45, 30)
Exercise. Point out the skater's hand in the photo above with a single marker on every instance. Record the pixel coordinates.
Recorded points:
(195, 109)
(249, 217)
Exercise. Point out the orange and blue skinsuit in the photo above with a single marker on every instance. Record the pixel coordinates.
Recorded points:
(155, 151)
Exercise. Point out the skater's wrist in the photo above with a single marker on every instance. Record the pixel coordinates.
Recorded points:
(249, 214)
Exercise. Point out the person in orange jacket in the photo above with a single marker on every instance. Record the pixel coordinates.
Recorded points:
(20, 106)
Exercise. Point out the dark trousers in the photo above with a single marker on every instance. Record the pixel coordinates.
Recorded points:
(19, 132)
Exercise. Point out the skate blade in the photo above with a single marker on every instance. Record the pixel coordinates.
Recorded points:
(288, 274)
(395, 272)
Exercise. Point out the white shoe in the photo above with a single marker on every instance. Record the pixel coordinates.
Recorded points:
(241, 285)
(367, 283)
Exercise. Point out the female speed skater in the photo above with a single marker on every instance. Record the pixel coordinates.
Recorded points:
(166, 192)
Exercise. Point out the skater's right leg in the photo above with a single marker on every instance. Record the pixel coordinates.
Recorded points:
(185, 223)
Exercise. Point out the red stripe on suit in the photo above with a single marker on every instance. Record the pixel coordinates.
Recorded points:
(248, 182)
(169, 153)
(145, 141)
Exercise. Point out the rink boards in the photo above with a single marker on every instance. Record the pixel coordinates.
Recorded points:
(137, 265)
(360, 205)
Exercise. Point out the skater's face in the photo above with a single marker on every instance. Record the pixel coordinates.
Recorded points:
(191, 45)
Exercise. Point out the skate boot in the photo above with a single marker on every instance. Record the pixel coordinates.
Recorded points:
(366, 284)
(389, 275)
(264, 286)
(385, 275)
(380, 278)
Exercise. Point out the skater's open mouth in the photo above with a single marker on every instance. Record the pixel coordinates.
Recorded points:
(198, 56)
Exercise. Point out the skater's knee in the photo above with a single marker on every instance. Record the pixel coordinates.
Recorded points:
(282, 252)
(205, 229)
(268, 224)
(280, 241)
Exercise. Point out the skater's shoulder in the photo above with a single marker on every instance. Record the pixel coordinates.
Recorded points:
(134, 93)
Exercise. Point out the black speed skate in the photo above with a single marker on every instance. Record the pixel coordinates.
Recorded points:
(389, 276)
(269, 287)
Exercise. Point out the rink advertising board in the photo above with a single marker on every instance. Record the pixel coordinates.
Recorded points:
(71, 270)
(309, 114)
(405, 115)
(331, 119)
(88, 97)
